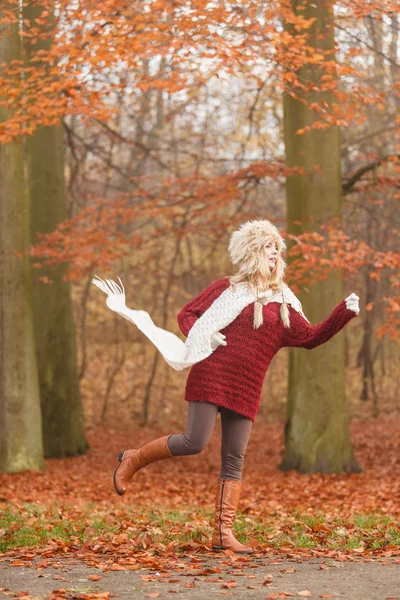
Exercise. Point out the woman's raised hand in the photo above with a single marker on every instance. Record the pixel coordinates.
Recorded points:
(352, 303)
(115, 293)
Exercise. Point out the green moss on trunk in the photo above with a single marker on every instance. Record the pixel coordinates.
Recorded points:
(20, 421)
(62, 415)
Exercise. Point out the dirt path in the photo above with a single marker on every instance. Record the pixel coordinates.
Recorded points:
(263, 578)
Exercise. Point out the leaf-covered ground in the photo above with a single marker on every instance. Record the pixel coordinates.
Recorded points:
(72, 510)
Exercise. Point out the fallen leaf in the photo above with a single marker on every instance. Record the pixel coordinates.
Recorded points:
(94, 577)
(254, 587)
(288, 570)
(229, 584)
(116, 567)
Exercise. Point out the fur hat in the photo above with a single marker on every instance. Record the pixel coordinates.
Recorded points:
(245, 249)
(251, 237)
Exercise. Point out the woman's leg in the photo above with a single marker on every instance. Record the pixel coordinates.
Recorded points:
(235, 435)
(201, 421)
(199, 427)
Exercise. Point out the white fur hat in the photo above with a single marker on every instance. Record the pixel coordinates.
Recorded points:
(250, 237)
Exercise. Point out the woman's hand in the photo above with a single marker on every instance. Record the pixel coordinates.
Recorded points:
(352, 303)
(218, 339)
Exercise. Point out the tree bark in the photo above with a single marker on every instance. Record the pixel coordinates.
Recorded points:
(20, 422)
(317, 437)
(373, 226)
(62, 415)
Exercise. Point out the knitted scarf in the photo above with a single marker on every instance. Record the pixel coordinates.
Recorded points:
(181, 355)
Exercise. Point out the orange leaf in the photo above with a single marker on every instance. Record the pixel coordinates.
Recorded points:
(229, 584)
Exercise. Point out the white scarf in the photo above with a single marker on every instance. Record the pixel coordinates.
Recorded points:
(181, 355)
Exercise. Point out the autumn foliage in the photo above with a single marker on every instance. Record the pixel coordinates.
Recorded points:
(173, 120)
(121, 75)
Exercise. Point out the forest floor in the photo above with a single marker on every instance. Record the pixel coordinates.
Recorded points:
(64, 533)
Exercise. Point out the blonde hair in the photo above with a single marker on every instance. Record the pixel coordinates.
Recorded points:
(247, 249)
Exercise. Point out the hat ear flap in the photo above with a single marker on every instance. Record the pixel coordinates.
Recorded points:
(284, 312)
(258, 316)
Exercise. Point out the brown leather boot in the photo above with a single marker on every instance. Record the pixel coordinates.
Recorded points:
(226, 504)
(131, 461)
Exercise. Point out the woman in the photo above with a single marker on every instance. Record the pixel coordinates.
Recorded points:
(234, 328)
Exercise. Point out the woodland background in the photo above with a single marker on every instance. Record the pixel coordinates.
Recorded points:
(136, 136)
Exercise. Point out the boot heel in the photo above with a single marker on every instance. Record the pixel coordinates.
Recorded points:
(115, 483)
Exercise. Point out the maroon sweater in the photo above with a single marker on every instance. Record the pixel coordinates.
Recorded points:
(233, 375)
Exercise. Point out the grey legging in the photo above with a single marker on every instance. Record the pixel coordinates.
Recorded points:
(200, 424)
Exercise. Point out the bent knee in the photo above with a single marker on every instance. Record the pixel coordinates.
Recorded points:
(195, 446)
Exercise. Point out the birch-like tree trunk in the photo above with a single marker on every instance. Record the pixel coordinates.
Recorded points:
(317, 437)
(20, 422)
(62, 415)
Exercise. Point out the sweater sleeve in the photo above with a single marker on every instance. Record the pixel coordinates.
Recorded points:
(196, 307)
(303, 335)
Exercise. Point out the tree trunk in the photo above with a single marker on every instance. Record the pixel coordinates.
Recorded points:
(62, 415)
(20, 422)
(317, 437)
(373, 227)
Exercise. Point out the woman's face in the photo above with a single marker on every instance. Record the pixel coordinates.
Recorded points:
(271, 253)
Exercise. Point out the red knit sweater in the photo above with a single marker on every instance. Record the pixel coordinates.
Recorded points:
(233, 375)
